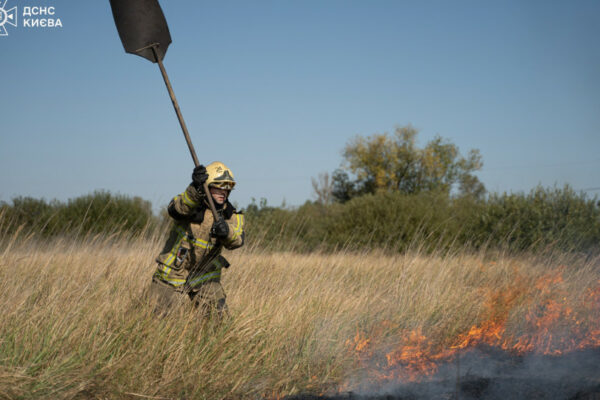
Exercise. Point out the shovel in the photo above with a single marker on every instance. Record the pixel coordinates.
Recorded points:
(144, 32)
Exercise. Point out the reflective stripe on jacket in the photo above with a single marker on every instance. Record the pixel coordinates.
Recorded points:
(190, 253)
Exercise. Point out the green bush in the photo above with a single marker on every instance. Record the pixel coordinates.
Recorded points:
(99, 212)
(550, 218)
(545, 218)
(553, 217)
(278, 228)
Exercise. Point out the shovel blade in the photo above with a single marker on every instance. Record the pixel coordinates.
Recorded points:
(141, 24)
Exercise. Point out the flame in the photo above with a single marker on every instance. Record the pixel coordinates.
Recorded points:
(551, 326)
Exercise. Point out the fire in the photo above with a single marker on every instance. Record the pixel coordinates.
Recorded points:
(551, 326)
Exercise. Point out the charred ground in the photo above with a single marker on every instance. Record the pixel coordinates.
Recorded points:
(492, 374)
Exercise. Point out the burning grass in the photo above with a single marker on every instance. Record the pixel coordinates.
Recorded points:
(75, 323)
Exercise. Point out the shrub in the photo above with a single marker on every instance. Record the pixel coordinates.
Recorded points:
(552, 218)
(99, 212)
(556, 218)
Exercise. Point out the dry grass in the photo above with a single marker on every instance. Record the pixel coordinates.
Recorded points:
(75, 323)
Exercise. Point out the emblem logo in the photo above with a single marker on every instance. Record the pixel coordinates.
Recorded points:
(7, 17)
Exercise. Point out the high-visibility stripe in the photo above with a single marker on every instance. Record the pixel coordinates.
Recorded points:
(240, 225)
(203, 278)
(173, 281)
(163, 274)
(187, 201)
(173, 253)
(164, 270)
(211, 275)
(237, 231)
(203, 244)
(200, 243)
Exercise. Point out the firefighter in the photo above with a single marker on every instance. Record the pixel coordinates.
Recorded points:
(190, 264)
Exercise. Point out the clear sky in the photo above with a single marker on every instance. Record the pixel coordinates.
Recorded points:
(276, 88)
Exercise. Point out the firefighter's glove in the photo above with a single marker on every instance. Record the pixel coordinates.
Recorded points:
(220, 229)
(199, 176)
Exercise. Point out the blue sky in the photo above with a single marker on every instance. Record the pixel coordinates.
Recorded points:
(276, 88)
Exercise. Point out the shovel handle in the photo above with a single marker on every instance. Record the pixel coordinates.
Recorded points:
(186, 134)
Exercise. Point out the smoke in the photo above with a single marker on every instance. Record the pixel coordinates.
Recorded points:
(538, 338)
(490, 373)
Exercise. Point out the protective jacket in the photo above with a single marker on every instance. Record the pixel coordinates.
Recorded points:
(191, 256)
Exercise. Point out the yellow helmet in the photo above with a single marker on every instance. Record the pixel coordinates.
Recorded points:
(219, 176)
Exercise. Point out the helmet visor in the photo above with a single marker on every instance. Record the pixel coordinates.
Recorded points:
(227, 185)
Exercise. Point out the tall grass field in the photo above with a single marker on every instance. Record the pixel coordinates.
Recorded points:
(75, 322)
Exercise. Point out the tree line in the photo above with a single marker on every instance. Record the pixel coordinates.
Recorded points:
(388, 193)
(100, 212)
(543, 219)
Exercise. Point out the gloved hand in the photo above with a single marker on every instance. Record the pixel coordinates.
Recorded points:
(199, 176)
(220, 229)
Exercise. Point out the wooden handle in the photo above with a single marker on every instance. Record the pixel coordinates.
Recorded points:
(186, 134)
